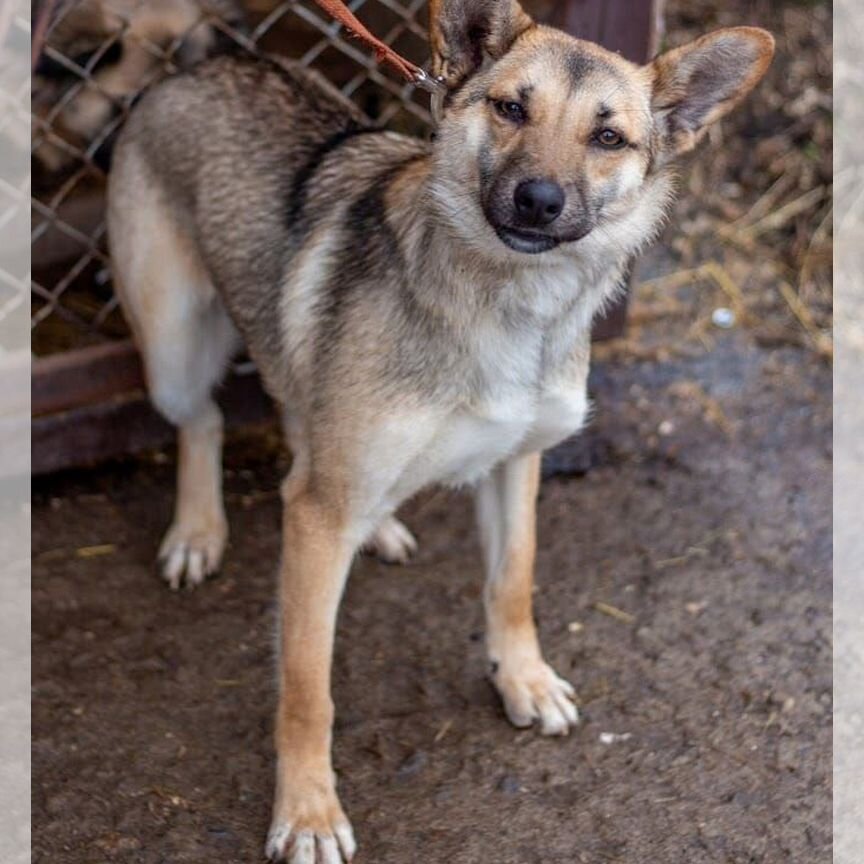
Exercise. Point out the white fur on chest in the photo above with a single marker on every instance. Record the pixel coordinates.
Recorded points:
(524, 408)
(525, 393)
(471, 443)
(461, 446)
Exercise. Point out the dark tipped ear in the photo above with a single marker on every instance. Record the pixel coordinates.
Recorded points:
(698, 84)
(463, 33)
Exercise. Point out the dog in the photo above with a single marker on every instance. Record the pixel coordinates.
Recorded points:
(420, 313)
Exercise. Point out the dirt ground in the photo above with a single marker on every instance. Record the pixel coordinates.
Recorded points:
(703, 524)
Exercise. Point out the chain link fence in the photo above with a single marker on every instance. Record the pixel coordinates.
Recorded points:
(94, 58)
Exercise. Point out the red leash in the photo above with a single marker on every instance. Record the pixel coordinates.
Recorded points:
(383, 52)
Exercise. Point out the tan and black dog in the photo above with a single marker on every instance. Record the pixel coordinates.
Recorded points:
(419, 312)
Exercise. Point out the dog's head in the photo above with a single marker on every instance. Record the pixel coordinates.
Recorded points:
(544, 137)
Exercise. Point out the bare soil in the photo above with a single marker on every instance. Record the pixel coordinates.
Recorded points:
(704, 522)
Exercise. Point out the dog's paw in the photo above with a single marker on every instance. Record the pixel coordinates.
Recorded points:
(311, 835)
(392, 542)
(532, 692)
(189, 554)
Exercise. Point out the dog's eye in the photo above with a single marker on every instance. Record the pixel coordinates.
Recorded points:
(512, 111)
(609, 139)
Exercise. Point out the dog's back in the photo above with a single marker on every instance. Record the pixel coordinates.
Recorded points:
(235, 121)
(244, 158)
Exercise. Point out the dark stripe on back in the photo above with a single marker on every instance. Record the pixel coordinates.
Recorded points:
(299, 192)
(370, 246)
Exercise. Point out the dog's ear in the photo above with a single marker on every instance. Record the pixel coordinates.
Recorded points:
(463, 33)
(697, 84)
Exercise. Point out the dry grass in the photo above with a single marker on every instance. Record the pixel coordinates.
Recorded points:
(752, 230)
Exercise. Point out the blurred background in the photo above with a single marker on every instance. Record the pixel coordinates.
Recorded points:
(757, 200)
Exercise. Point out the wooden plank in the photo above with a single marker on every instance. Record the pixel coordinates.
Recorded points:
(72, 379)
(89, 434)
(85, 436)
(630, 27)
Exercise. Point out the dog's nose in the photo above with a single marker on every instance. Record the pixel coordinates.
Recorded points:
(538, 202)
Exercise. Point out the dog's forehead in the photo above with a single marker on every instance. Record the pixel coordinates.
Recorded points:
(554, 63)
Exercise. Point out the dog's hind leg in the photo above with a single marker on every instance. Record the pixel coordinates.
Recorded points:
(192, 548)
(186, 354)
(186, 339)
(529, 688)
(185, 358)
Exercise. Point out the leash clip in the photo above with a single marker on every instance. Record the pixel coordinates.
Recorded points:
(436, 88)
(427, 82)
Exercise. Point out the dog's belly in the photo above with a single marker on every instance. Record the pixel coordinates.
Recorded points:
(465, 445)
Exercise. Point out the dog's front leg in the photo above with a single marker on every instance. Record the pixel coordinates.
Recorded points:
(309, 825)
(506, 510)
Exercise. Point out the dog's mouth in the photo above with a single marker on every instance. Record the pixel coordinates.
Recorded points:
(529, 242)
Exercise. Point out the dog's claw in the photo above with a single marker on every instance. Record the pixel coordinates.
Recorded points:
(303, 851)
(309, 847)
(534, 693)
(188, 557)
(345, 838)
(328, 850)
(277, 841)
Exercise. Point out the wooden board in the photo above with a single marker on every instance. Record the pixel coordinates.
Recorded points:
(122, 422)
